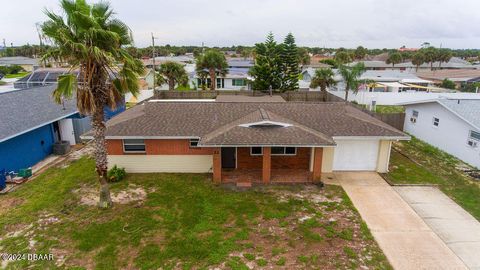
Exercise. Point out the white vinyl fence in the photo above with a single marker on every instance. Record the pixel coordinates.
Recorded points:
(390, 98)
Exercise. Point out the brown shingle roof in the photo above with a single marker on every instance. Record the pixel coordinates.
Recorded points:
(218, 122)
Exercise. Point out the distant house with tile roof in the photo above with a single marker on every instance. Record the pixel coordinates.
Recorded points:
(452, 125)
(252, 141)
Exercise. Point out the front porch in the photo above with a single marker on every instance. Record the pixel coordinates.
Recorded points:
(278, 176)
(267, 165)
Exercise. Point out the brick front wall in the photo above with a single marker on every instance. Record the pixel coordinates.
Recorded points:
(300, 161)
(161, 147)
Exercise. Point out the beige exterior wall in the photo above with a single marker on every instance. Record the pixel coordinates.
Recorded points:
(383, 156)
(327, 159)
(163, 163)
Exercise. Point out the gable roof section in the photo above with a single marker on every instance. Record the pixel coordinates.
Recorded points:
(263, 127)
(24, 110)
(218, 122)
(466, 109)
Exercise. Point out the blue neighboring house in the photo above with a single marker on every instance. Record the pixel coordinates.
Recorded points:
(31, 122)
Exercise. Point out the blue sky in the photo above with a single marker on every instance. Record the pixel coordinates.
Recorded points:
(329, 23)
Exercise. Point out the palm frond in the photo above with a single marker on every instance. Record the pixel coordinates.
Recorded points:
(67, 85)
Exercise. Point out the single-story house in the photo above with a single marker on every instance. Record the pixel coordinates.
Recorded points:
(237, 77)
(459, 76)
(452, 125)
(249, 141)
(381, 81)
(27, 63)
(31, 122)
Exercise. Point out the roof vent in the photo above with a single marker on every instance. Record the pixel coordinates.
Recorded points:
(266, 123)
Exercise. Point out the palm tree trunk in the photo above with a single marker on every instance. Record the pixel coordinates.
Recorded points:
(171, 85)
(323, 88)
(100, 154)
(213, 80)
(346, 95)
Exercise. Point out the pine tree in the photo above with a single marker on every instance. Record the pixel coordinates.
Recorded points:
(267, 69)
(290, 62)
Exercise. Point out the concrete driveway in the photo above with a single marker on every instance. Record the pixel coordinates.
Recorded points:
(403, 236)
(455, 226)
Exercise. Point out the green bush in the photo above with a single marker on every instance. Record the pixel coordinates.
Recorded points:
(13, 69)
(116, 174)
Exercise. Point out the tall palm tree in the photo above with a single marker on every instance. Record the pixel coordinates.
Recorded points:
(351, 77)
(323, 78)
(91, 40)
(443, 56)
(172, 73)
(431, 55)
(394, 58)
(214, 63)
(418, 59)
(342, 57)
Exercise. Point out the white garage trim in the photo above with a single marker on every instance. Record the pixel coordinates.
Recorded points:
(162, 163)
(356, 155)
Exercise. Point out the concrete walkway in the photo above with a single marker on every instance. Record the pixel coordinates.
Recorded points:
(403, 236)
(455, 226)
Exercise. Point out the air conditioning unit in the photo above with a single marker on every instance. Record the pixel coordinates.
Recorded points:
(413, 119)
(472, 143)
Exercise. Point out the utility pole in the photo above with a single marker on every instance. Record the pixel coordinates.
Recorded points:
(153, 61)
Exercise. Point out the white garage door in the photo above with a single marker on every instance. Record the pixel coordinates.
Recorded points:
(356, 155)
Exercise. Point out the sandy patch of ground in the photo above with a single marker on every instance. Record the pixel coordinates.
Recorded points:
(90, 196)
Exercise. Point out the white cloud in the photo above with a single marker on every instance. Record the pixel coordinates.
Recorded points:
(331, 23)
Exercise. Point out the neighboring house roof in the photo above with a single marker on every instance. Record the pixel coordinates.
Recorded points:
(224, 123)
(240, 63)
(466, 109)
(182, 59)
(18, 60)
(242, 98)
(456, 75)
(454, 63)
(28, 109)
(316, 65)
(392, 76)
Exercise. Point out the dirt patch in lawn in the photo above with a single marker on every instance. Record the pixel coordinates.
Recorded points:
(7, 203)
(90, 196)
(325, 231)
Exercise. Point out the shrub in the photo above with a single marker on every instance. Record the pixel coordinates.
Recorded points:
(116, 174)
(446, 83)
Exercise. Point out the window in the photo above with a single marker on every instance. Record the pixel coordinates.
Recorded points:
(473, 139)
(134, 146)
(256, 151)
(194, 143)
(239, 82)
(474, 135)
(414, 117)
(220, 83)
(284, 151)
(436, 121)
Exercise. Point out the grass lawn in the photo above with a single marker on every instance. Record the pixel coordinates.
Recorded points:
(182, 221)
(429, 165)
(389, 109)
(18, 75)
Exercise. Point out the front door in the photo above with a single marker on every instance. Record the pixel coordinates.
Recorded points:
(228, 157)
